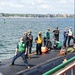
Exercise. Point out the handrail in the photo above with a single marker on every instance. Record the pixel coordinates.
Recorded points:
(50, 72)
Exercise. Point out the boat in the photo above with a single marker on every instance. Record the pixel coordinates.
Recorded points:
(40, 64)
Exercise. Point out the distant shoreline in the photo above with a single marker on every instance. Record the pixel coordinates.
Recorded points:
(7, 15)
(36, 17)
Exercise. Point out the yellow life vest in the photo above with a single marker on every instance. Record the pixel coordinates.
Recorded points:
(39, 41)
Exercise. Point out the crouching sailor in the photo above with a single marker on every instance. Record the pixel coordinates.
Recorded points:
(57, 44)
(21, 50)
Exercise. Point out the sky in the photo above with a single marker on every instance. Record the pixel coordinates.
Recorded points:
(37, 6)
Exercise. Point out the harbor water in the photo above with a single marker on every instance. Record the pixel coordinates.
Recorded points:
(11, 29)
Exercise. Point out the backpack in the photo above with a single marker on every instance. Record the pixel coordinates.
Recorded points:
(56, 32)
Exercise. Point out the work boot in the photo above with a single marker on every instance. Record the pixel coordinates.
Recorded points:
(28, 67)
(11, 64)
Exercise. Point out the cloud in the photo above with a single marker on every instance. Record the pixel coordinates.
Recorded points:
(32, 3)
(39, 1)
(37, 6)
(11, 4)
(45, 6)
(63, 1)
(16, 5)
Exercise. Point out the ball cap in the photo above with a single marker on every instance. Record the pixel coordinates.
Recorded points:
(21, 38)
(40, 32)
(25, 33)
(30, 31)
(48, 28)
(66, 28)
(70, 27)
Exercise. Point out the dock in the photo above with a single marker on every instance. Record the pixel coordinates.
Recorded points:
(36, 62)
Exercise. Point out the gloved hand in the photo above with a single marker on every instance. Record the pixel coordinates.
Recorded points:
(15, 53)
(25, 53)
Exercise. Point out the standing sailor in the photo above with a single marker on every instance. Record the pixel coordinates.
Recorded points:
(56, 33)
(21, 50)
(65, 36)
(26, 40)
(47, 37)
(38, 41)
(70, 35)
(30, 41)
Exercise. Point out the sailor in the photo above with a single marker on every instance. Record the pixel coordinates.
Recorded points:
(57, 45)
(65, 37)
(26, 40)
(30, 41)
(47, 37)
(56, 33)
(71, 49)
(39, 41)
(70, 35)
(21, 50)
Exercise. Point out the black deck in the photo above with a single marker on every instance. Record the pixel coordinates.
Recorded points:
(19, 67)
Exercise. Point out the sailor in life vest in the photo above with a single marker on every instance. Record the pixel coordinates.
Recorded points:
(38, 41)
